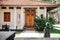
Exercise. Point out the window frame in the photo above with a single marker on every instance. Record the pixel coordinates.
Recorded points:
(11, 7)
(3, 7)
(8, 19)
(18, 7)
(41, 7)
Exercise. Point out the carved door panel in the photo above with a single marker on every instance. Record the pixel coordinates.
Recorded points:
(29, 17)
(29, 20)
(32, 20)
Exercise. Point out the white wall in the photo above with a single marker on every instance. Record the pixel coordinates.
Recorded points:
(2, 17)
(41, 11)
(20, 22)
(11, 23)
(22, 18)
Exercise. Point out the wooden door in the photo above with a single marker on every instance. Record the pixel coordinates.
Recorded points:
(29, 20)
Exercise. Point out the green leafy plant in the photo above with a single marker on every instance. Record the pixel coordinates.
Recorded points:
(41, 22)
(51, 22)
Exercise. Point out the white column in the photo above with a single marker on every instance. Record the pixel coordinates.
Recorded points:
(38, 11)
(22, 18)
(48, 15)
(58, 14)
(45, 11)
(15, 16)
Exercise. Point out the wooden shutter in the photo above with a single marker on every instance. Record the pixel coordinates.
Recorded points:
(6, 16)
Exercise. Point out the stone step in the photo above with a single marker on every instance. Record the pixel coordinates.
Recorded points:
(29, 28)
(37, 39)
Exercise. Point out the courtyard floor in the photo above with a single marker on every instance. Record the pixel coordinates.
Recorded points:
(30, 33)
(34, 34)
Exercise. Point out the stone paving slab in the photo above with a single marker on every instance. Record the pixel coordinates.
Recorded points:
(35, 34)
(29, 34)
(37, 39)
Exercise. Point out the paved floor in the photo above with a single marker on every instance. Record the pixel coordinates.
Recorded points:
(29, 34)
(34, 34)
(37, 39)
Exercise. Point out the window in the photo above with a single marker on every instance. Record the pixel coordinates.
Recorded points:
(41, 15)
(33, 10)
(6, 16)
(41, 7)
(11, 7)
(18, 7)
(3, 7)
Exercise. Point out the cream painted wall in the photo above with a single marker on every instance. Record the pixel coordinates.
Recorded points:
(41, 11)
(22, 18)
(2, 17)
(18, 18)
(11, 23)
(20, 22)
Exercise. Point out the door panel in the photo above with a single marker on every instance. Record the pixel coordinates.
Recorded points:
(29, 20)
(32, 19)
(29, 17)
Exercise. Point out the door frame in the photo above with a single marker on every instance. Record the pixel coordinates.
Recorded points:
(27, 11)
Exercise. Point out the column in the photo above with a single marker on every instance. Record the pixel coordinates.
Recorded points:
(58, 15)
(22, 18)
(38, 11)
(45, 12)
(15, 16)
(48, 15)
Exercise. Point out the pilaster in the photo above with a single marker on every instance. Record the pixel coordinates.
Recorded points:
(15, 16)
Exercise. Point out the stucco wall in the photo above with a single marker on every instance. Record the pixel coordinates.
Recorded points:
(11, 23)
(41, 11)
(20, 20)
